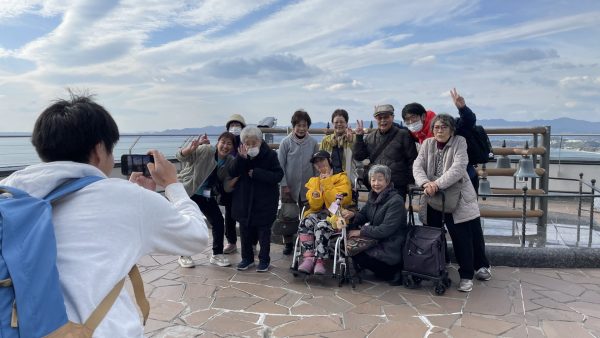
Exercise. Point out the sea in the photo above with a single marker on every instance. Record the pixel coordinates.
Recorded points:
(17, 151)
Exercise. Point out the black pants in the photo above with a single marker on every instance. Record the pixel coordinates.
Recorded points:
(251, 233)
(467, 241)
(210, 209)
(380, 269)
(230, 231)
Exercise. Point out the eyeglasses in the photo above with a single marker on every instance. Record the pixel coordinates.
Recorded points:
(440, 127)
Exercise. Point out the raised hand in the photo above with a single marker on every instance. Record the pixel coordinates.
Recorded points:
(243, 150)
(459, 101)
(360, 127)
(194, 145)
(204, 139)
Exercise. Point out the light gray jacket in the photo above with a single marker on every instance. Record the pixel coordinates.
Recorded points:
(455, 168)
(196, 167)
(294, 159)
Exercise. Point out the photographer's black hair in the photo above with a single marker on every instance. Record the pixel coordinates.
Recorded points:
(68, 130)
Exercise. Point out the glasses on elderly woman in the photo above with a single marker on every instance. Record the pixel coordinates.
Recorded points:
(440, 127)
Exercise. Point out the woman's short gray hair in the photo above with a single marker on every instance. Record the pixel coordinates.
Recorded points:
(445, 119)
(250, 132)
(381, 169)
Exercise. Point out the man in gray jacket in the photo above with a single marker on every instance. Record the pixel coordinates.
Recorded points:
(389, 145)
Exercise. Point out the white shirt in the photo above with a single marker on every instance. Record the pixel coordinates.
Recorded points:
(103, 229)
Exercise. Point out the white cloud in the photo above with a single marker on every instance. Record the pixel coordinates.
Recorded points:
(571, 104)
(426, 60)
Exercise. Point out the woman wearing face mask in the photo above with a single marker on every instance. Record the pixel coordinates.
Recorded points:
(234, 125)
(339, 144)
(294, 155)
(204, 176)
(255, 196)
(317, 226)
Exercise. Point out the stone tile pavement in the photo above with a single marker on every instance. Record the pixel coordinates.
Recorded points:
(210, 301)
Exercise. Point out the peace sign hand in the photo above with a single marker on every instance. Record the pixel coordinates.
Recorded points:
(459, 101)
(360, 127)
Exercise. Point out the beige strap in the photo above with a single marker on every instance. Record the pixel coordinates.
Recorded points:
(5, 283)
(96, 317)
(140, 297)
(138, 291)
(14, 321)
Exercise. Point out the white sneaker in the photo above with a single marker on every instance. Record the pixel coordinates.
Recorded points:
(186, 262)
(483, 273)
(465, 285)
(229, 249)
(219, 260)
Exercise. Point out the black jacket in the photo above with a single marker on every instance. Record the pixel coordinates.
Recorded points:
(399, 153)
(387, 218)
(255, 199)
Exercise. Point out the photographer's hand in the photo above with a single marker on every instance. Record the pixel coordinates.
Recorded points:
(163, 172)
(143, 181)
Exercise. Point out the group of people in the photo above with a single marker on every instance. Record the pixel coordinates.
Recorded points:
(249, 177)
(120, 222)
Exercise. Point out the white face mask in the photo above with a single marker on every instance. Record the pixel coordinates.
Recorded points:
(414, 127)
(253, 152)
(235, 130)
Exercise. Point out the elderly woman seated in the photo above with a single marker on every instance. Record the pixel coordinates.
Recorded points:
(383, 218)
(441, 166)
(320, 220)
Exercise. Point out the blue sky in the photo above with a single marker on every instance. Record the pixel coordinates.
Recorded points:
(159, 65)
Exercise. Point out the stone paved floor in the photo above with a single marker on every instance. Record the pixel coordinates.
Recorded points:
(211, 301)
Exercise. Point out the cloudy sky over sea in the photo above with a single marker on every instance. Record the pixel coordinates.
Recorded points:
(174, 64)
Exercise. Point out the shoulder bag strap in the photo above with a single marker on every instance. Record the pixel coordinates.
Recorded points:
(382, 146)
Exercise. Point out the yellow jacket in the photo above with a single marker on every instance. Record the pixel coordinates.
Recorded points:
(331, 186)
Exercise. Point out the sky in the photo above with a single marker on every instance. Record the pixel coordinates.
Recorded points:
(157, 65)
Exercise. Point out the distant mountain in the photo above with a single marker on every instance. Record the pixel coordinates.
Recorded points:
(563, 125)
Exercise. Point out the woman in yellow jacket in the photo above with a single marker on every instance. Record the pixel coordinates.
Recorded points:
(320, 220)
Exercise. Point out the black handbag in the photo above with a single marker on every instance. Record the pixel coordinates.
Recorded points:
(286, 223)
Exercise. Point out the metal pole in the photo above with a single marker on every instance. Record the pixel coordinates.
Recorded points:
(580, 193)
(545, 180)
(592, 212)
(533, 179)
(524, 216)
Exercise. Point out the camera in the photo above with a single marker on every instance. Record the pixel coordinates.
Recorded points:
(135, 163)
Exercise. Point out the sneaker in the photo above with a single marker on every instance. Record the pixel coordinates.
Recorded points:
(484, 273)
(219, 260)
(229, 249)
(186, 262)
(288, 249)
(245, 265)
(262, 267)
(319, 267)
(465, 285)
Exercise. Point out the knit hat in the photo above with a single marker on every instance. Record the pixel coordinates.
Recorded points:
(236, 118)
(384, 109)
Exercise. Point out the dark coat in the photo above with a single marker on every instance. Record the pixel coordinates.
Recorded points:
(398, 155)
(255, 199)
(387, 218)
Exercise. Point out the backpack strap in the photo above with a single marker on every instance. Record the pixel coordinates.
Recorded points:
(71, 186)
(102, 309)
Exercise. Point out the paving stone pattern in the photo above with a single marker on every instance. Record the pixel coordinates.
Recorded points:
(211, 301)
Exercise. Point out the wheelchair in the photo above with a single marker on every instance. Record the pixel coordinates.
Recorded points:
(336, 247)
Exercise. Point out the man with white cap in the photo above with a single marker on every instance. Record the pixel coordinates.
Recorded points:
(388, 145)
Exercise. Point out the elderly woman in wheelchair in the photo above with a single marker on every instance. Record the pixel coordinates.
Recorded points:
(329, 195)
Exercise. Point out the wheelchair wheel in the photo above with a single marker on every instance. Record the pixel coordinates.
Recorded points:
(440, 289)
